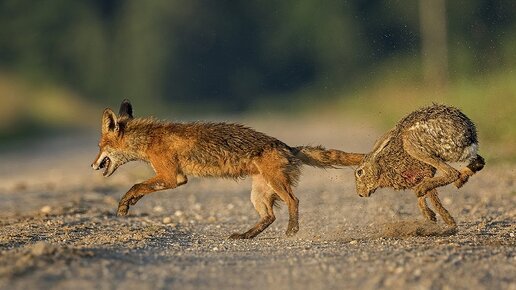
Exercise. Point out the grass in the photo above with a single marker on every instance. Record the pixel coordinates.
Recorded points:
(29, 109)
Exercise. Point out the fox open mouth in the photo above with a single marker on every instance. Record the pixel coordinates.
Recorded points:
(105, 164)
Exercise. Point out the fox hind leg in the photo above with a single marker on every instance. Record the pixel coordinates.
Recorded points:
(280, 172)
(284, 191)
(262, 197)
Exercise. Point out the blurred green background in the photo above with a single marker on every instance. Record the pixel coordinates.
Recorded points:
(62, 62)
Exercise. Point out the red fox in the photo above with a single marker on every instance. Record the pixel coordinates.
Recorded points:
(175, 150)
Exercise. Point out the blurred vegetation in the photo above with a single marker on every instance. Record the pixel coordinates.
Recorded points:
(489, 100)
(61, 61)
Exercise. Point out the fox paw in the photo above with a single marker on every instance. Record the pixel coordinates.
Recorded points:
(237, 236)
(292, 230)
(122, 210)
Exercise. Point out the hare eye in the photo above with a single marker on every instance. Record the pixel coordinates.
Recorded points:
(360, 172)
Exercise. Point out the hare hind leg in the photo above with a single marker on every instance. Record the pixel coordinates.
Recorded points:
(425, 210)
(262, 197)
(475, 165)
(445, 215)
(448, 173)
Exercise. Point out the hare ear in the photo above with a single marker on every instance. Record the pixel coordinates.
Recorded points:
(126, 109)
(381, 143)
(109, 121)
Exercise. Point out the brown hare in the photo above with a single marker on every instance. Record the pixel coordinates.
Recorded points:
(408, 156)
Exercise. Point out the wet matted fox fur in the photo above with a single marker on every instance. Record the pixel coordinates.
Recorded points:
(408, 156)
(175, 150)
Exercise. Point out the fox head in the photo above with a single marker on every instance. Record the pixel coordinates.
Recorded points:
(113, 148)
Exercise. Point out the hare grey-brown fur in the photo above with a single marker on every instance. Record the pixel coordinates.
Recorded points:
(408, 156)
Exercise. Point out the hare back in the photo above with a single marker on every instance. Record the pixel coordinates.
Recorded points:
(441, 131)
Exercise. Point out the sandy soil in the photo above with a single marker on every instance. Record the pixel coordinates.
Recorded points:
(58, 229)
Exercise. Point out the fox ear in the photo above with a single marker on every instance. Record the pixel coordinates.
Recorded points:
(126, 109)
(109, 121)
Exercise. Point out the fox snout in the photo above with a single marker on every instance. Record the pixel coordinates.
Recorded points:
(103, 161)
(96, 165)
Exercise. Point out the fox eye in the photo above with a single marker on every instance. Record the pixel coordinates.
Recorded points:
(360, 172)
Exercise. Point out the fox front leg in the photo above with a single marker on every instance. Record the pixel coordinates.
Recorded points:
(137, 191)
(141, 189)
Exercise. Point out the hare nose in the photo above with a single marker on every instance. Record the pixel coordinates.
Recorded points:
(365, 194)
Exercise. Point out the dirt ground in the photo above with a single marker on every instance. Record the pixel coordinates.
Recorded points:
(58, 229)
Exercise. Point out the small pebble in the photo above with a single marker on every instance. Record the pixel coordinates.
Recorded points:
(167, 220)
(40, 248)
(46, 209)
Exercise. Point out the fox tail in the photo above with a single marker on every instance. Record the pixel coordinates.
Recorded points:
(318, 156)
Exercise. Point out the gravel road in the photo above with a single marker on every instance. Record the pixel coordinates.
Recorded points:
(58, 229)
